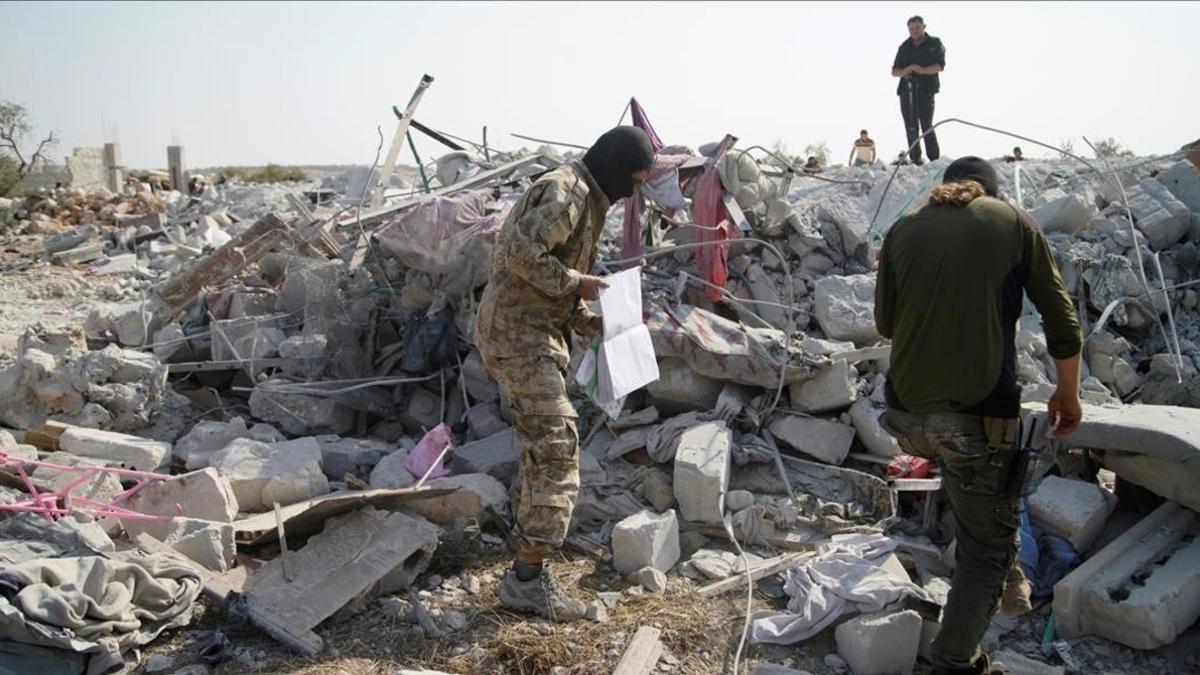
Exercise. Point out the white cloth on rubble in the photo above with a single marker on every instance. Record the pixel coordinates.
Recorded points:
(97, 605)
(845, 576)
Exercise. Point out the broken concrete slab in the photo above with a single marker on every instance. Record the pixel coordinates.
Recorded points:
(208, 543)
(365, 551)
(831, 389)
(680, 389)
(646, 539)
(880, 644)
(262, 474)
(497, 455)
(1068, 214)
(1142, 590)
(392, 472)
(845, 307)
(878, 441)
(196, 448)
(1183, 182)
(355, 456)
(130, 452)
(826, 440)
(474, 495)
(484, 420)
(1159, 215)
(1071, 509)
(203, 494)
(102, 487)
(302, 415)
(245, 339)
(702, 472)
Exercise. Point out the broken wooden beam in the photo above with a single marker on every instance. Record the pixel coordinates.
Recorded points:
(762, 570)
(642, 654)
(46, 437)
(246, 248)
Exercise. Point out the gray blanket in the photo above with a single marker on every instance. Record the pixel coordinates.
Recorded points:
(101, 606)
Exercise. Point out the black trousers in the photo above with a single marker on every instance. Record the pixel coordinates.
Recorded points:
(917, 108)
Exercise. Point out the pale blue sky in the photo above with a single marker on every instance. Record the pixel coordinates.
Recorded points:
(250, 83)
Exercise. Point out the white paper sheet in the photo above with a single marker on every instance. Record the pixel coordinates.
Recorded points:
(626, 360)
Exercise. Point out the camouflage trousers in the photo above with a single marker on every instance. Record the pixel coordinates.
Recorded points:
(976, 457)
(548, 482)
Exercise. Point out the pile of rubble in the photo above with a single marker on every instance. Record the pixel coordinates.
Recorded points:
(293, 403)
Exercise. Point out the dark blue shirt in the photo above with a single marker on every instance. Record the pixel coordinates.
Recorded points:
(929, 52)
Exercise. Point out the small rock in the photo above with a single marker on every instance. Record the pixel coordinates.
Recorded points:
(158, 663)
(737, 500)
(434, 581)
(470, 584)
(610, 599)
(597, 612)
(543, 627)
(635, 591)
(455, 620)
(651, 579)
(836, 663)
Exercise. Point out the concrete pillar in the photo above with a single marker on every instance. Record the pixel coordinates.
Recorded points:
(112, 166)
(175, 167)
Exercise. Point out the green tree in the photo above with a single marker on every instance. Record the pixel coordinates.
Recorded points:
(14, 131)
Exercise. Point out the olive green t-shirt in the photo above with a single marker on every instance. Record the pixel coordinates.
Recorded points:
(948, 295)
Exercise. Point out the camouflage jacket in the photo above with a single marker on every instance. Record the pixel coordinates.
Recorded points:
(546, 244)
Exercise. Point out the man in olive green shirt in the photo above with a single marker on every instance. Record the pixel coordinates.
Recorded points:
(949, 292)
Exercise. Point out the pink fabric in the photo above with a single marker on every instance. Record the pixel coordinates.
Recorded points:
(710, 214)
(631, 234)
(429, 451)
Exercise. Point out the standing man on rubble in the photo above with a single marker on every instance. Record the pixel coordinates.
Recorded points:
(541, 274)
(949, 292)
(918, 61)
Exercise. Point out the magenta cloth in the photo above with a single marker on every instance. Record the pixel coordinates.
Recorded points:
(426, 453)
(631, 234)
(710, 213)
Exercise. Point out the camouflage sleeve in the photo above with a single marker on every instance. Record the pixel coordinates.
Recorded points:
(543, 227)
(582, 317)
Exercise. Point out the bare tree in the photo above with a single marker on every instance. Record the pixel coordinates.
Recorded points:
(1111, 148)
(14, 128)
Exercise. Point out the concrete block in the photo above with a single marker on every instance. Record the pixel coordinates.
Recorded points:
(262, 474)
(864, 415)
(480, 385)
(1071, 509)
(737, 500)
(302, 415)
(1142, 590)
(209, 543)
(498, 456)
(101, 487)
(133, 327)
(831, 389)
(702, 472)
(423, 412)
(485, 420)
(845, 307)
(1158, 214)
(1012, 663)
(1068, 214)
(131, 452)
(356, 456)
(680, 389)
(825, 440)
(134, 366)
(390, 472)
(243, 304)
(476, 493)
(202, 494)
(880, 644)
(308, 353)
(1183, 182)
(646, 539)
(171, 345)
(196, 447)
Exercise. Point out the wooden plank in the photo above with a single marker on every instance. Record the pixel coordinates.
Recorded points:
(762, 570)
(642, 654)
(46, 438)
(217, 589)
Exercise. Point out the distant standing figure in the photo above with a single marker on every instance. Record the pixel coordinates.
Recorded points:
(918, 61)
(1016, 156)
(863, 152)
(813, 165)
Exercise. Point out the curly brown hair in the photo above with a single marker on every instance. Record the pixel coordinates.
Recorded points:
(957, 193)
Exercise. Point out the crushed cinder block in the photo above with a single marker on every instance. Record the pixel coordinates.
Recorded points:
(646, 539)
(1071, 509)
(826, 440)
(129, 452)
(1159, 215)
(880, 644)
(831, 389)
(845, 307)
(476, 493)
(680, 389)
(702, 472)
(196, 447)
(864, 415)
(497, 455)
(262, 474)
(306, 355)
(171, 344)
(245, 339)
(1143, 589)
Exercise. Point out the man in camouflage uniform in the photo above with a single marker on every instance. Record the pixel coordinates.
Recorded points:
(540, 277)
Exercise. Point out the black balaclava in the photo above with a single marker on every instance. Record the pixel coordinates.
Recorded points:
(614, 158)
(976, 169)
